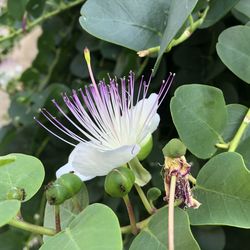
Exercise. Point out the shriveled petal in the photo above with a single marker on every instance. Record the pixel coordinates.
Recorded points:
(67, 168)
(87, 160)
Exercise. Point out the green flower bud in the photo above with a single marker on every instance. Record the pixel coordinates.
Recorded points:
(56, 194)
(119, 182)
(146, 147)
(71, 182)
(153, 193)
(174, 148)
(16, 193)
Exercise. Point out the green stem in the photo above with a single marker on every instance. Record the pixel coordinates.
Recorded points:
(42, 147)
(171, 213)
(191, 21)
(142, 67)
(222, 145)
(50, 71)
(144, 199)
(140, 225)
(41, 19)
(192, 179)
(236, 140)
(31, 227)
(149, 51)
(183, 37)
(130, 214)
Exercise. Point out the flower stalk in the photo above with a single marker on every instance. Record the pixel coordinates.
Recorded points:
(144, 200)
(131, 214)
(57, 219)
(171, 213)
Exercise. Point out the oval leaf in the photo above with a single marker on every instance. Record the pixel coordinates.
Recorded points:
(155, 235)
(199, 114)
(25, 172)
(224, 191)
(234, 50)
(8, 210)
(132, 24)
(97, 227)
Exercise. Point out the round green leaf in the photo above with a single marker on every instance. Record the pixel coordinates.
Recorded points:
(224, 191)
(8, 210)
(234, 50)
(97, 227)
(199, 114)
(132, 24)
(155, 235)
(26, 172)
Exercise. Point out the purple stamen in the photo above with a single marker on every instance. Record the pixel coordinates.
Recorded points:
(107, 114)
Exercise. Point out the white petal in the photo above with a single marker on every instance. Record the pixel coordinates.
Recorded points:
(145, 114)
(87, 160)
(67, 168)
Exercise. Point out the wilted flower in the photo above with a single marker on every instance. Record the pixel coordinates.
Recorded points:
(181, 169)
(113, 119)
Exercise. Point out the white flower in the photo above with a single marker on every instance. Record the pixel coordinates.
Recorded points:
(112, 119)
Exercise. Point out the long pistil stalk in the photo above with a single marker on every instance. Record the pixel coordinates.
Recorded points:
(171, 213)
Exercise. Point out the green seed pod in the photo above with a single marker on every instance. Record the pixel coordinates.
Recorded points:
(174, 148)
(71, 182)
(16, 193)
(119, 182)
(146, 147)
(153, 193)
(56, 194)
